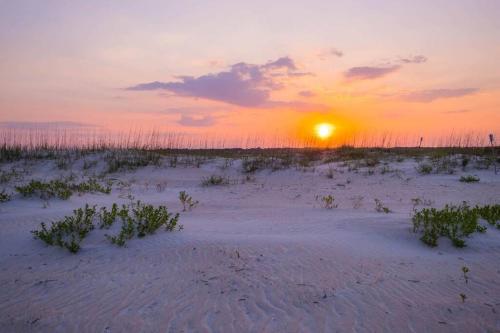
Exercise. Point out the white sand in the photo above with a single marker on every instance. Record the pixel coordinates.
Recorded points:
(262, 256)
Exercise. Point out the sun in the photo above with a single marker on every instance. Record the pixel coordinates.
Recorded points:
(324, 130)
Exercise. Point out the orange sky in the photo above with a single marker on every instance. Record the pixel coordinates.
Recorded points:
(260, 70)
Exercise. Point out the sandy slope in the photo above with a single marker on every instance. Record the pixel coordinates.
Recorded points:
(261, 256)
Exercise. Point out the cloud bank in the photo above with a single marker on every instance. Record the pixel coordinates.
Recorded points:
(426, 96)
(369, 72)
(375, 72)
(246, 85)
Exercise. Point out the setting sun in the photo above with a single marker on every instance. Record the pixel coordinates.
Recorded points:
(324, 130)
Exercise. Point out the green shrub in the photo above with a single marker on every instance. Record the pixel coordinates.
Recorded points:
(187, 201)
(145, 219)
(60, 189)
(469, 179)
(54, 188)
(138, 219)
(4, 196)
(214, 180)
(327, 201)
(379, 207)
(454, 222)
(490, 213)
(424, 168)
(120, 160)
(70, 231)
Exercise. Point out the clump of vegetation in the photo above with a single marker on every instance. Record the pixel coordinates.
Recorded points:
(424, 168)
(489, 213)
(53, 188)
(143, 220)
(454, 222)
(379, 206)
(328, 201)
(187, 201)
(60, 189)
(6, 176)
(70, 231)
(107, 218)
(421, 202)
(4, 196)
(465, 270)
(250, 165)
(137, 219)
(214, 180)
(469, 179)
(131, 159)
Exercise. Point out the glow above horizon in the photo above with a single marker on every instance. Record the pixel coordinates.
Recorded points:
(243, 70)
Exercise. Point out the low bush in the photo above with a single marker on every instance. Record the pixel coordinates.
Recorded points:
(60, 189)
(144, 219)
(424, 169)
(137, 219)
(469, 179)
(327, 201)
(4, 196)
(53, 188)
(379, 207)
(454, 222)
(70, 231)
(120, 160)
(187, 201)
(214, 180)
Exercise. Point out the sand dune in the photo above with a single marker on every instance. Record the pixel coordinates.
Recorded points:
(259, 255)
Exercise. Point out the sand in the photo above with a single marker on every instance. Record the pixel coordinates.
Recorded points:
(258, 255)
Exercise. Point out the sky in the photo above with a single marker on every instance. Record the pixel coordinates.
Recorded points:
(236, 69)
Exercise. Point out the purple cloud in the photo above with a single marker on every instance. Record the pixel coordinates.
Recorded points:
(189, 121)
(369, 72)
(246, 85)
(329, 53)
(426, 96)
(418, 59)
(44, 125)
(306, 93)
(374, 72)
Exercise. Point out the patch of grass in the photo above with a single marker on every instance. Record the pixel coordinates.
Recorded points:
(70, 231)
(424, 168)
(418, 201)
(51, 189)
(214, 180)
(131, 159)
(144, 219)
(60, 189)
(469, 179)
(379, 207)
(489, 213)
(137, 219)
(187, 201)
(327, 201)
(4, 196)
(454, 222)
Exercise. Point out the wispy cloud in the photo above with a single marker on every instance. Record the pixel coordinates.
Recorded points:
(457, 111)
(418, 59)
(244, 84)
(44, 125)
(307, 93)
(375, 72)
(426, 96)
(370, 72)
(331, 52)
(190, 121)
